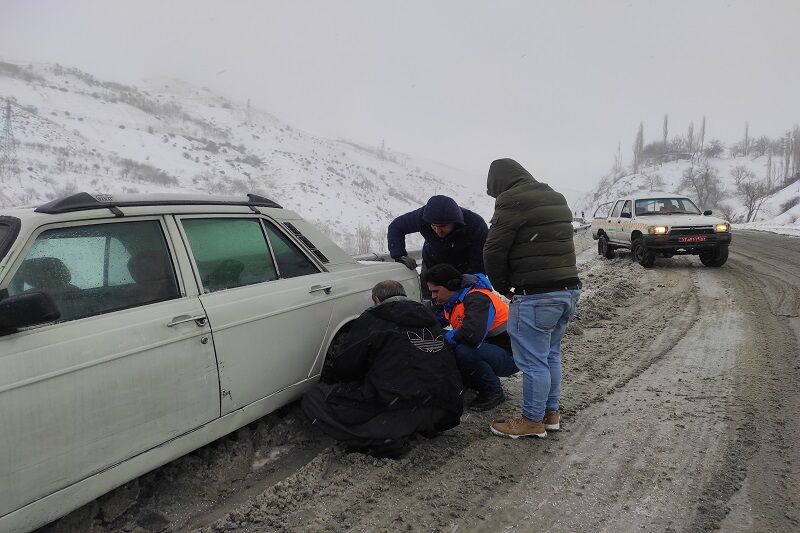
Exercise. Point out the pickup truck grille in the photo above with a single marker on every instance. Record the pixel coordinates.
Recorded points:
(699, 230)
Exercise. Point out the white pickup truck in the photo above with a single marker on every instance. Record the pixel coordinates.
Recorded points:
(660, 224)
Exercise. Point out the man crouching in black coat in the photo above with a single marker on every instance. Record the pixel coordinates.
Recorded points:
(394, 377)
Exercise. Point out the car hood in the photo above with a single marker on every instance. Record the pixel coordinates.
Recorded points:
(680, 220)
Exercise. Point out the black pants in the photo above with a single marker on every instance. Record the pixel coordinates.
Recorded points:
(337, 410)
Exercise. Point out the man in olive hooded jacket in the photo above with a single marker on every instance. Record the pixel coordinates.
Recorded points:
(530, 249)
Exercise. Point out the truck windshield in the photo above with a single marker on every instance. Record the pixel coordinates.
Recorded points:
(666, 206)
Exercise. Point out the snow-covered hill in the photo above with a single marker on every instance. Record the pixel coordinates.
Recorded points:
(780, 210)
(75, 133)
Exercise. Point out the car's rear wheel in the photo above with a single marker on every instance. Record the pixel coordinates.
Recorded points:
(604, 248)
(715, 258)
(641, 254)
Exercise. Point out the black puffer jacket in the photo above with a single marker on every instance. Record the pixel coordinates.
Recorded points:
(530, 240)
(463, 248)
(397, 350)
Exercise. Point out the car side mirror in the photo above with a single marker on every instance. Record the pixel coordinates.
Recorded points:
(625, 215)
(27, 309)
(707, 213)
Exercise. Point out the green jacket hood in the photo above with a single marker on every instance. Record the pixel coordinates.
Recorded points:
(504, 174)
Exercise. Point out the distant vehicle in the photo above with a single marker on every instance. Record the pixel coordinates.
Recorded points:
(660, 224)
(135, 329)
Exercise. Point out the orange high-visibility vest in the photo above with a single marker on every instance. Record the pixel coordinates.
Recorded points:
(456, 316)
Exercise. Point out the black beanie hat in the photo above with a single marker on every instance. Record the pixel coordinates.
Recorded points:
(442, 210)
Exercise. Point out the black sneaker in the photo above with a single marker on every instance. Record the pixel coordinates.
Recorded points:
(485, 401)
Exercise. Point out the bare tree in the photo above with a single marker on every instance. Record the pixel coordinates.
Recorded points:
(665, 131)
(746, 140)
(705, 183)
(618, 162)
(715, 148)
(654, 181)
(638, 148)
(752, 194)
(690, 138)
(741, 173)
(363, 239)
(702, 138)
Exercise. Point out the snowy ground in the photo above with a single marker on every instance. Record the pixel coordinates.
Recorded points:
(681, 386)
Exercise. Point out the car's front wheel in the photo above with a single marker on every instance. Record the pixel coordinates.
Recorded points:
(641, 254)
(715, 258)
(604, 248)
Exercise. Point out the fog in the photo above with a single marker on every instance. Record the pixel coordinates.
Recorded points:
(555, 85)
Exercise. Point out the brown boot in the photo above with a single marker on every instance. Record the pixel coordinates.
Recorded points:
(552, 420)
(519, 427)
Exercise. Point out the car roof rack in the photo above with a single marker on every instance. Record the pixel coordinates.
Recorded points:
(84, 201)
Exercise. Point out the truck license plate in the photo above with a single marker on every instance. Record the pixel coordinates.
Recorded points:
(692, 238)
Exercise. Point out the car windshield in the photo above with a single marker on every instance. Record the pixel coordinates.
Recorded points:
(666, 206)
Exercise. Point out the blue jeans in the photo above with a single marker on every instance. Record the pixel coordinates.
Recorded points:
(481, 366)
(536, 324)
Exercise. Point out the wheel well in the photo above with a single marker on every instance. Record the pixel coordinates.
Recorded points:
(635, 235)
(330, 352)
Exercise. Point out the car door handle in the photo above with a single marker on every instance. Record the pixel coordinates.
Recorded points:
(200, 320)
(317, 288)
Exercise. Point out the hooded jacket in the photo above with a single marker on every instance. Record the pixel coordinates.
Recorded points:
(397, 351)
(462, 248)
(530, 240)
(481, 317)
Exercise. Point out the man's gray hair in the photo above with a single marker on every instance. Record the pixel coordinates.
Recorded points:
(386, 289)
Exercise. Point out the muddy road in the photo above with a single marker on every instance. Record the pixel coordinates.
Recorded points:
(680, 410)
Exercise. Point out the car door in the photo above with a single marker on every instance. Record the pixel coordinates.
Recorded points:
(126, 367)
(614, 221)
(625, 222)
(268, 303)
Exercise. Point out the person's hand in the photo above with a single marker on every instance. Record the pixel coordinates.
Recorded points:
(409, 262)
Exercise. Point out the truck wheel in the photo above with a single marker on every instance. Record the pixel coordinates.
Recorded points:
(641, 254)
(605, 249)
(715, 258)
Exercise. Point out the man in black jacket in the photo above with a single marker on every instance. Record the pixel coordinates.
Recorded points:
(452, 234)
(395, 376)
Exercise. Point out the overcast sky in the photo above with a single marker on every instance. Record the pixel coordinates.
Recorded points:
(555, 85)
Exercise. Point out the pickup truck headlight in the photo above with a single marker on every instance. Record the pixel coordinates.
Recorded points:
(657, 230)
(722, 228)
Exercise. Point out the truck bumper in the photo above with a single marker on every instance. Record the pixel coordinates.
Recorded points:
(689, 243)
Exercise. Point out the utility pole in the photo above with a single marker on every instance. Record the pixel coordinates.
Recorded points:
(8, 146)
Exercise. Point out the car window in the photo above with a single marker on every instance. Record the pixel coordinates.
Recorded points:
(604, 210)
(626, 209)
(617, 209)
(666, 206)
(291, 261)
(229, 252)
(95, 269)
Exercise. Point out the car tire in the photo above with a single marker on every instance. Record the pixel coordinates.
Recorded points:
(715, 258)
(330, 356)
(604, 248)
(641, 254)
